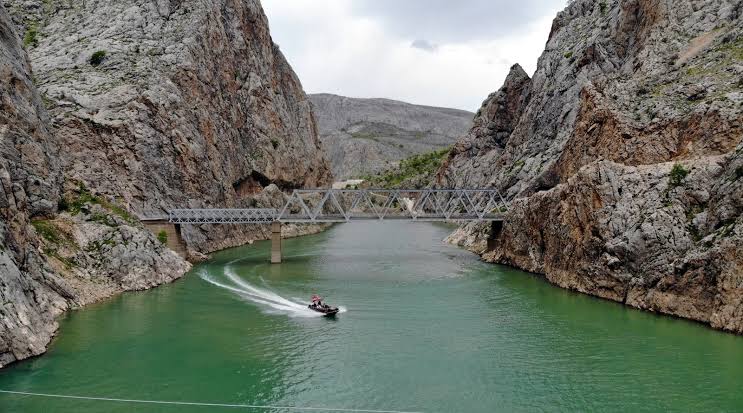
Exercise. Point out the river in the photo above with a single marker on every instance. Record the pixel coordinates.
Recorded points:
(426, 327)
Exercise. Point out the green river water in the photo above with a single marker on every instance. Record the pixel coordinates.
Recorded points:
(426, 328)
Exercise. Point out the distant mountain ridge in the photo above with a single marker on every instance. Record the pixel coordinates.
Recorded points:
(365, 136)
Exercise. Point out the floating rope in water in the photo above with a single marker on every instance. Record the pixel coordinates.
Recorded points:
(243, 406)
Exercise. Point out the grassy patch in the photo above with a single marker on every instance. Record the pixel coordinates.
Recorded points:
(275, 143)
(418, 165)
(739, 172)
(68, 263)
(516, 167)
(85, 197)
(162, 236)
(731, 52)
(48, 231)
(733, 49)
(603, 7)
(31, 38)
(568, 55)
(103, 219)
(677, 175)
(123, 213)
(727, 229)
(97, 58)
(97, 246)
(54, 238)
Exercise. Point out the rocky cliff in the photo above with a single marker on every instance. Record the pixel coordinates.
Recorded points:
(133, 108)
(365, 136)
(164, 104)
(50, 262)
(622, 156)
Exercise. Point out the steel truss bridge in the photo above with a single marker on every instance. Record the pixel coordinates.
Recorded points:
(345, 205)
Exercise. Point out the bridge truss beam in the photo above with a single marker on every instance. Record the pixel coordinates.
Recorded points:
(345, 205)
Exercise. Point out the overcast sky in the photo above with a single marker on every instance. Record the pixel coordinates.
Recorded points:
(449, 53)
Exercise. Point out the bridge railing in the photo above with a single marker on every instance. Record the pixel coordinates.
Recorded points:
(343, 205)
(223, 216)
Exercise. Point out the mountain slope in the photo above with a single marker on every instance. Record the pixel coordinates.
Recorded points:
(365, 136)
(133, 108)
(623, 156)
(51, 261)
(173, 104)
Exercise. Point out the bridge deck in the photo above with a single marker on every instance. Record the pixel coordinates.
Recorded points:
(345, 205)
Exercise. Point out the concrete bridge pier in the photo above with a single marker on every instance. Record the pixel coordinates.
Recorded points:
(275, 242)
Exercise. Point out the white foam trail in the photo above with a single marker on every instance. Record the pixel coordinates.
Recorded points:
(269, 301)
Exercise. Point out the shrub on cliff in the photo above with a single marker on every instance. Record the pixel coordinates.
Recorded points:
(162, 236)
(97, 58)
(677, 175)
(31, 38)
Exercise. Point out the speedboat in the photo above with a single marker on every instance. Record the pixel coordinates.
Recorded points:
(326, 310)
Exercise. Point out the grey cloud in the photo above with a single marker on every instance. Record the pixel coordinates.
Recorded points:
(445, 21)
(425, 45)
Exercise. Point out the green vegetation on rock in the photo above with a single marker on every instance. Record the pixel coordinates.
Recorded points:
(423, 165)
(97, 58)
(677, 175)
(97, 246)
(48, 231)
(31, 38)
(162, 236)
(85, 197)
(54, 239)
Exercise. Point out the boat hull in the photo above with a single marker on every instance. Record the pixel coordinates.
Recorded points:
(330, 312)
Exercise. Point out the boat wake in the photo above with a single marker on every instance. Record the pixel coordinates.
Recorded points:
(268, 301)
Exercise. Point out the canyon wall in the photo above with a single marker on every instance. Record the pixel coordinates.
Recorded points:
(51, 261)
(622, 157)
(166, 104)
(115, 111)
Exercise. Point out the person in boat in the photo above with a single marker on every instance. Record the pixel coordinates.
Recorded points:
(317, 302)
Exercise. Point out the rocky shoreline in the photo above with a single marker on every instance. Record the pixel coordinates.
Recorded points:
(622, 157)
(113, 110)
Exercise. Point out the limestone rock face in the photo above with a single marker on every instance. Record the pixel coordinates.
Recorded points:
(632, 81)
(173, 103)
(624, 90)
(27, 151)
(466, 164)
(30, 292)
(365, 136)
(44, 269)
(628, 234)
(133, 108)
(100, 254)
